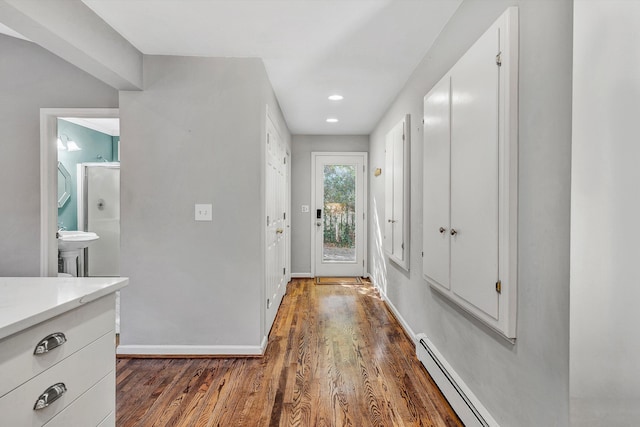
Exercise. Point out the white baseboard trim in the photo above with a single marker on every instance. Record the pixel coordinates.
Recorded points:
(394, 310)
(466, 405)
(301, 275)
(199, 350)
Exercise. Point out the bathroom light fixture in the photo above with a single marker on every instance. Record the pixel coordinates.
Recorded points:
(332, 120)
(70, 144)
(336, 97)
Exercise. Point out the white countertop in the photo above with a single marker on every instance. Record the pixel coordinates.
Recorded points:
(27, 301)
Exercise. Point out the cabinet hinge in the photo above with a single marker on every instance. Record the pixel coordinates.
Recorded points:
(363, 263)
(268, 303)
(284, 215)
(403, 137)
(284, 160)
(499, 59)
(422, 254)
(403, 246)
(284, 271)
(267, 220)
(499, 287)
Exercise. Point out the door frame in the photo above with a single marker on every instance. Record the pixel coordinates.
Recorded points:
(49, 178)
(365, 204)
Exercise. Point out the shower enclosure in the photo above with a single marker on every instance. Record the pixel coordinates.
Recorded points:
(99, 212)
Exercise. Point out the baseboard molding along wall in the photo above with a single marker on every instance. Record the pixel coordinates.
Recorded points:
(394, 310)
(192, 350)
(465, 404)
(301, 275)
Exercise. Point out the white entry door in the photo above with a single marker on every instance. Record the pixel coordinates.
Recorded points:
(339, 227)
(276, 230)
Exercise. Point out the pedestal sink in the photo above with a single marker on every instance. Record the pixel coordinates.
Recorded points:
(70, 244)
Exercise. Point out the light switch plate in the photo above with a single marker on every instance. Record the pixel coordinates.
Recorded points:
(203, 212)
(304, 208)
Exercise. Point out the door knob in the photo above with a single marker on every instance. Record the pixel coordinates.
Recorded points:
(442, 230)
(453, 232)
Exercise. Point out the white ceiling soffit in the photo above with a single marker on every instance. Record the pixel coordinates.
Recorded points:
(364, 50)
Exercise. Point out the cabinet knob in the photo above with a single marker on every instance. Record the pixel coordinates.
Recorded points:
(442, 230)
(392, 221)
(453, 232)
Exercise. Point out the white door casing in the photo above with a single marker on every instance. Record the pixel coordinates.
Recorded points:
(323, 261)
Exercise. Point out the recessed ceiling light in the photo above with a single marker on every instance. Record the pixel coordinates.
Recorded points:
(332, 120)
(336, 97)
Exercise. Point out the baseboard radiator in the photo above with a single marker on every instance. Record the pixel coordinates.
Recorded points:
(462, 400)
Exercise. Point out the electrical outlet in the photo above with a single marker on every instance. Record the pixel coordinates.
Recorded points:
(304, 208)
(203, 212)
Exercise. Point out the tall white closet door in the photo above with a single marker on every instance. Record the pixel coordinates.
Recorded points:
(388, 192)
(398, 191)
(395, 193)
(474, 174)
(436, 184)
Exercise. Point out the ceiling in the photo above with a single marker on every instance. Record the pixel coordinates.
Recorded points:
(364, 50)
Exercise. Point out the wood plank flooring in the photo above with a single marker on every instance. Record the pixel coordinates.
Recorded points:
(336, 357)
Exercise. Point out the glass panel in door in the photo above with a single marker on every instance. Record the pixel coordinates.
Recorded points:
(339, 222)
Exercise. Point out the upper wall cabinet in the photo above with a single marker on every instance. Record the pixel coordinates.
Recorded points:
(396, 232)
(470, 179)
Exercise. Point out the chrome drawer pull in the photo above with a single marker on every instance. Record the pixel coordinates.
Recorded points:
(50, 395)
(50, 342)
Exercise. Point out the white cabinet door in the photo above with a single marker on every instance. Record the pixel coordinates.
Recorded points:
(470, 179)
(436, 184)
(396, 193)
(474, 174)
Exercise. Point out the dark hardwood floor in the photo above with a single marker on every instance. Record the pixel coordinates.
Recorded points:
(336, 357)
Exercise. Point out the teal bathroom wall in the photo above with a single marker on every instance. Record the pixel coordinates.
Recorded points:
(95, 146)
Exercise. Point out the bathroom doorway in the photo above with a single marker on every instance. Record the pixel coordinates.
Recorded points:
(82, 141)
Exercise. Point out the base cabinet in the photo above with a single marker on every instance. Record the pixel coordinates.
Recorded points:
(72, 381)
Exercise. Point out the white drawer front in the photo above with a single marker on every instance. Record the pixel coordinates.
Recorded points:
(81, 326)
(110, 421)
(79, 372)
(91, 408)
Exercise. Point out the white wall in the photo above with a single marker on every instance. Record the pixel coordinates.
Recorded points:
(194, 135)
(32, 78)
(303, 146)
(605, 279)
(527, 383)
